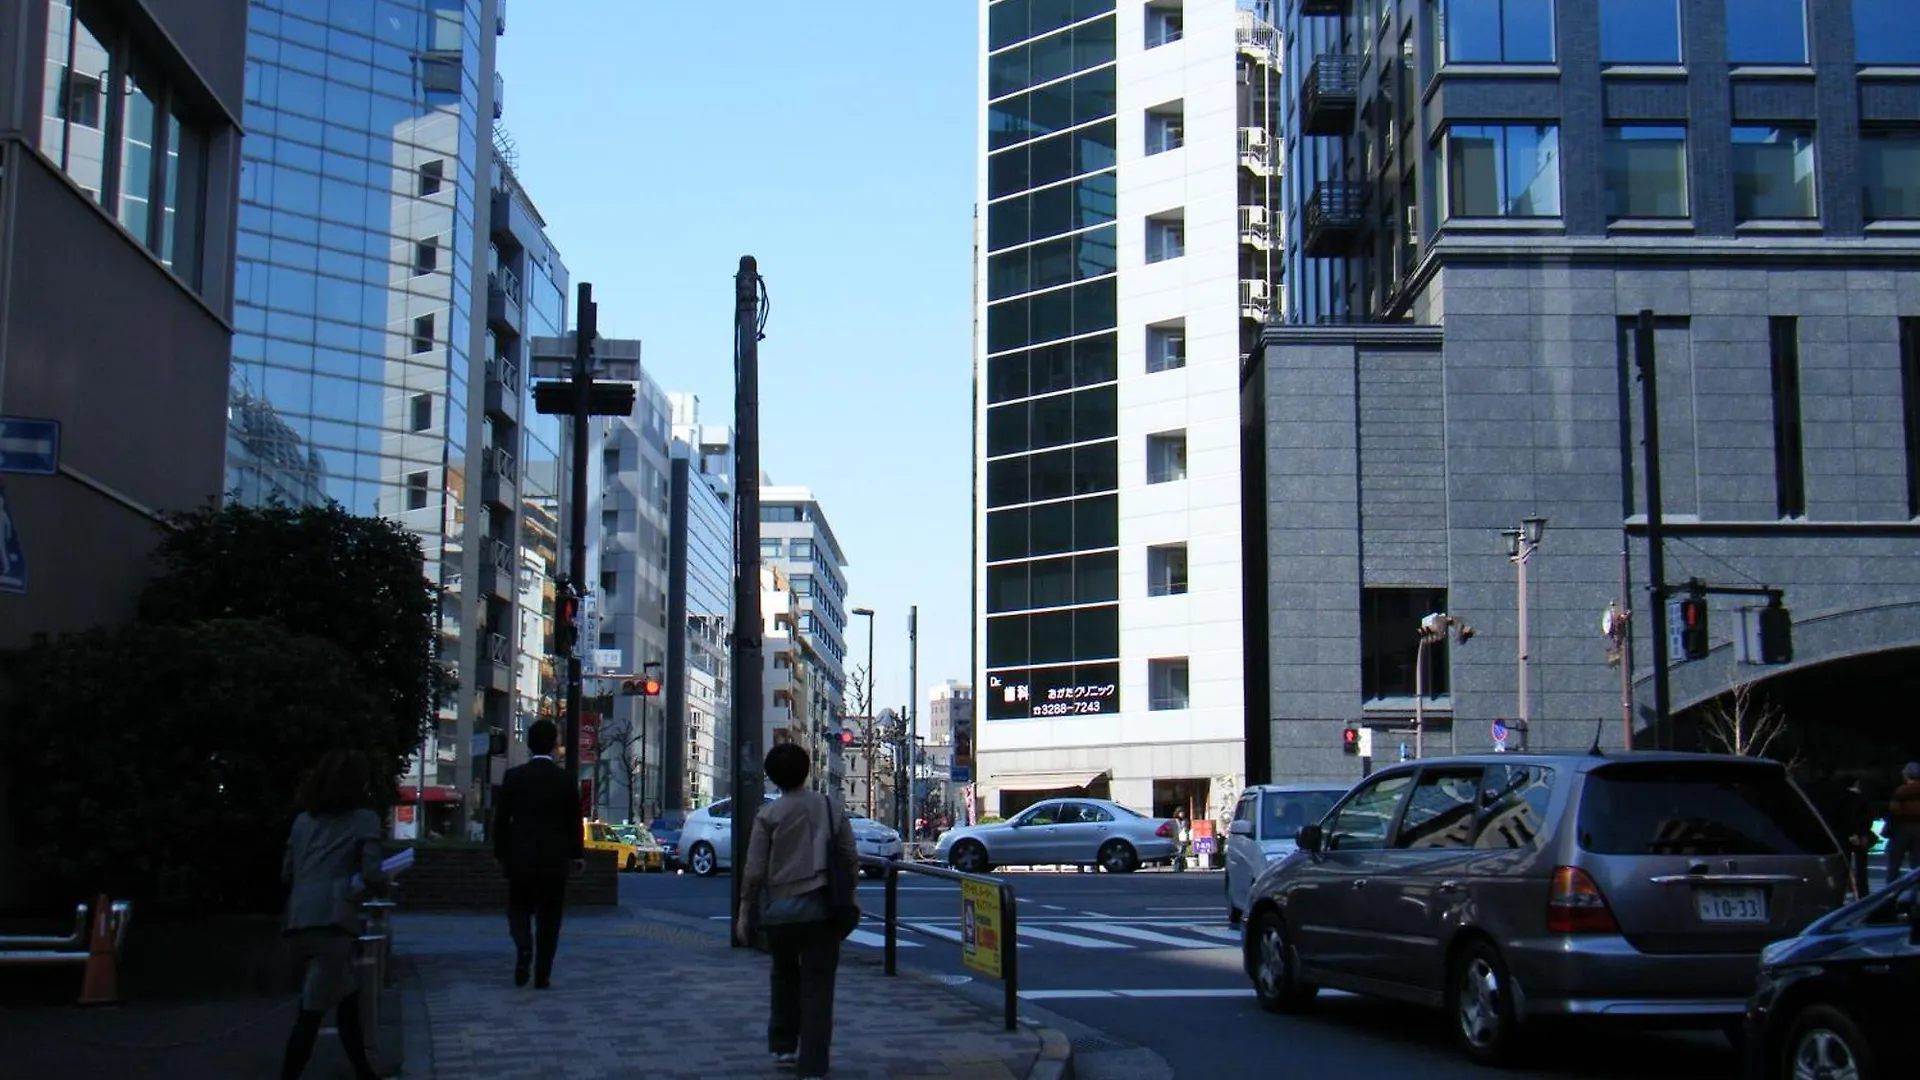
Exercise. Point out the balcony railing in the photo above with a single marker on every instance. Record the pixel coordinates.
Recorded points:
(1256, 229)
(1257, 37)
(497, 651)
(1330, 94)
(1334, 218)
(1256, 151)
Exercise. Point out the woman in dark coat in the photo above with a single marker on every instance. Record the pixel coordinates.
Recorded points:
(336, 837)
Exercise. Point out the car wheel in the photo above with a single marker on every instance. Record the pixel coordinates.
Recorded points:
(633, 864)
(1824, 1043)
(1118, 857)
(969, 857)
(1481, 1004)
(1276, 966)
(701, 859)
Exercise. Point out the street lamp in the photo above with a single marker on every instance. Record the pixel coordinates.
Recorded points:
(1433, 630)
(1521, 544)
(867, 614)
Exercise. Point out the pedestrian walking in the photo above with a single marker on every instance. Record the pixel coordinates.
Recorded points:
(1903, 822)
(335, 838)
(798, 886)
(1183, 836)
(1848, 814)
(539, 842)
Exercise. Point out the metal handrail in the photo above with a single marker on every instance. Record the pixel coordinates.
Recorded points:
(1009, 923)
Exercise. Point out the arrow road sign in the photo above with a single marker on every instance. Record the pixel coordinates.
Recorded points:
(29, 446)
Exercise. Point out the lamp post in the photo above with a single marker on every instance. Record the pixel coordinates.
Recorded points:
(867, 720)
(1433, 630)
(1521, 544)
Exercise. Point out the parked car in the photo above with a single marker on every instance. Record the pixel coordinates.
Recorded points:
(653, 855)
(1514, 888)
(1835, 1001)
(874, 839)
(628, 854)
(1265, 822)
(1063, 831)
(706, 839)
(666, 829)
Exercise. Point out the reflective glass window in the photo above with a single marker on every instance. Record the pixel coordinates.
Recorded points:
(1639, 31)
(1767, 32)
(1497, 31)
(1646, 171)
(1501, 171)
(1773, 173)
(1890, 166)
(1886, 31)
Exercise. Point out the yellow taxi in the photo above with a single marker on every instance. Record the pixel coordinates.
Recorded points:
(632, 851)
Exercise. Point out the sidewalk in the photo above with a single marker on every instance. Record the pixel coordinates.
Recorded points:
(638, 994)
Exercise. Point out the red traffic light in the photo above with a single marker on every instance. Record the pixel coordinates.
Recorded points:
(643, 687)
(846, 738)
(1350, 740)
(649, 686)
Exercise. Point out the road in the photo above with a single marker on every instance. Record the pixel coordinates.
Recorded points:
(1147, 959)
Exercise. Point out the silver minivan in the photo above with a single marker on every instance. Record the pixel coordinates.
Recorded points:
(1513, 888)
(1266, 820)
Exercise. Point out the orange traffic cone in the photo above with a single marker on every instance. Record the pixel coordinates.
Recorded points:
(100, 983)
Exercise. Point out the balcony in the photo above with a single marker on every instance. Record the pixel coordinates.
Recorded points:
(1257, 38)
(1330, 94)
(1333, 220)
(497, 578)
(498, 478)
(1256, 299)
(499, 96)
(496, 663)
(500, 19)
(503, 390)
(1256, 228)
(1325, 7)
(1256, 151)
(503, 299)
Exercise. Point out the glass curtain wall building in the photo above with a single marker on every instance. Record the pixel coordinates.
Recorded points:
(358, 373)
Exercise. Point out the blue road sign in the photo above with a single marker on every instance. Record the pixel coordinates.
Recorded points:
(1499, 731)
(962, 774)
(29, 446)
(13, 563)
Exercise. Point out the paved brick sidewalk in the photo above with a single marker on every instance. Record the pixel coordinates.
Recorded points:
(637, 997)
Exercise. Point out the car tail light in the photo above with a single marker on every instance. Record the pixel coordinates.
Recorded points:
(1575, 906)
(1165, 830)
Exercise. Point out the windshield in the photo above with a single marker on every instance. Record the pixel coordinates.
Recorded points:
(1287, 812)
(1687, 808)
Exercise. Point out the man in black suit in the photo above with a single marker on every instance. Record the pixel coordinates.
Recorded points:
(537, 837)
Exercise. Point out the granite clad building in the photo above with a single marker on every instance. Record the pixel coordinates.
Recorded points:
(1481, 196)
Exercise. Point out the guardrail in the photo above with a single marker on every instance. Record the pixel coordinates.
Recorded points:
(1008, 922)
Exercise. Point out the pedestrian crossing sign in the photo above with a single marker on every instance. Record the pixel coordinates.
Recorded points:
(980, 927)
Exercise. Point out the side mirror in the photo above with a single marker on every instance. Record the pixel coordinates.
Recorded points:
(1240, 828)
(1308, 838)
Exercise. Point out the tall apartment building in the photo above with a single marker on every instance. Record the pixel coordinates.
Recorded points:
(1483, 196)
(1129, 171)
(796, 539)
(699, 688)
(391, 273)
(119, 137)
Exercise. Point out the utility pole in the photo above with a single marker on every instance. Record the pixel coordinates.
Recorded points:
(911, 728)
(1643, 359)
(586, 328)
(748, 784)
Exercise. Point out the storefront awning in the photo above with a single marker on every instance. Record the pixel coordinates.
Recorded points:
(1064, 780)
(438, 793)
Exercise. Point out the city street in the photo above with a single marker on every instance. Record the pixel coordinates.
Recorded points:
(1148, 959)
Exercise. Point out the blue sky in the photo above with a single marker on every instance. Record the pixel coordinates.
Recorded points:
(661, 142)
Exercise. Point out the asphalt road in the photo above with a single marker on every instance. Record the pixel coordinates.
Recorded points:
(1147, 960)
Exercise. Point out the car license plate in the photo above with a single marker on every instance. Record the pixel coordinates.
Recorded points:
(1745, 904)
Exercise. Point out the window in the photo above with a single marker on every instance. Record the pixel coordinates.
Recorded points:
(1390, 642)
(139, 137)
(1767, 32)
(609, 523)
(802, 550)
(1513, 806)
(1166, 347)
(1167, 570)
(1361, 823)
(1772, 173)
(1639, 31)
(1166, 128)
(1886, 31)
(417, 491)
(1166, 236)
(1910, 406)
(431, 173)
(1503, 171)
(422, 412)
(609, 582)
(1696, 809)
(1497, 31)
(1646, 172)
(1287, 812)
(1890, 169)
(1166, 457)
(1442, 810)
(1163, 25)
(422, 334)
(1167, 684)
(802, 585)
(426, 256)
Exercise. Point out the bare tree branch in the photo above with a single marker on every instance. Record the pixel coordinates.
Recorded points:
(1744, 722)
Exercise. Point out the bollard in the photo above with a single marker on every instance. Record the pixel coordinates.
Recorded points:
(379, 921)
(366, 970)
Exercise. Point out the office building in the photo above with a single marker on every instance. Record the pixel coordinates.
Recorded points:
(1129, 174)
(699, 685)
(117, 206)
(1482, 197)
(949, 742)
(796, 539)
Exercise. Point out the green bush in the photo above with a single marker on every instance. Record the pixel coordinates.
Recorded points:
(159, 762)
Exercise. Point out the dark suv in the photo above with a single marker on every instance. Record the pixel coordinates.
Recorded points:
(1507, 888)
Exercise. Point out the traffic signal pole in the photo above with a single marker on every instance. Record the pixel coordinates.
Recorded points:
(747, 653)
(1643, 359)
(586, 326)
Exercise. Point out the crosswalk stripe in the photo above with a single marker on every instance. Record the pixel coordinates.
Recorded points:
(868, 937)
(1068, 939)
(1138, 934)
(1221, 932)
(943, 932)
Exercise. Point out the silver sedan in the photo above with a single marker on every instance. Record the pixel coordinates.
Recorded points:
(1079, 832)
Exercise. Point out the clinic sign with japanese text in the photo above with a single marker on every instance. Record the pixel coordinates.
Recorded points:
(1041, 693)
(980, 927)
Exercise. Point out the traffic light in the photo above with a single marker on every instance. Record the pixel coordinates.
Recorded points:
(846, 738)
(1693, 627)
(1776, 634)
(645, 686)
(497, 743)
(1350, 741)
(566, 620)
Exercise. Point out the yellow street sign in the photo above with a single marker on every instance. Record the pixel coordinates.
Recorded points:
(980, 927)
